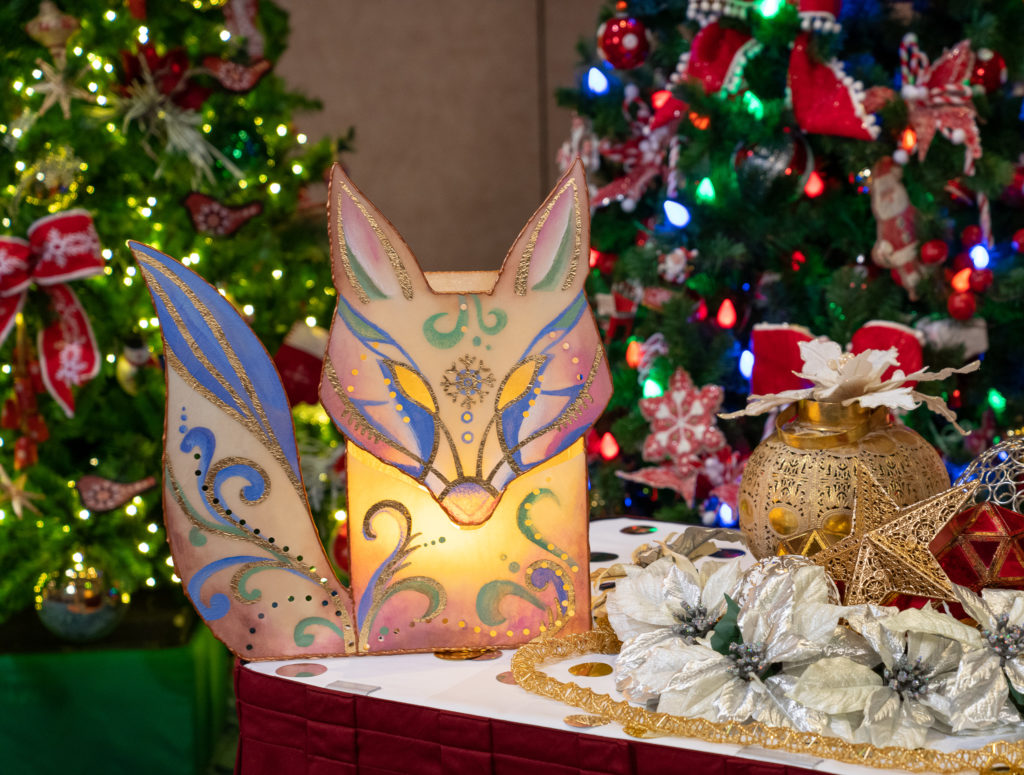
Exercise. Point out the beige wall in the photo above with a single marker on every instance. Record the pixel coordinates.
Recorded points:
(452, 100)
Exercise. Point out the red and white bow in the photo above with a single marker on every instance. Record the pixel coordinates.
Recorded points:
(776, 349)
(938, 97)
(59, 248)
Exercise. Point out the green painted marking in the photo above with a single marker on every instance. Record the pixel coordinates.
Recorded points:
(552, 281)
(445, 340)
(492, 593)
(304, 639)
(361, 276)
(499, 316)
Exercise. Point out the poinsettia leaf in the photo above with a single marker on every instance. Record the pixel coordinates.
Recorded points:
(727, 630)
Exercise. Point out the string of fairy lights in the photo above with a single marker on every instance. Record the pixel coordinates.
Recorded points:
(94, 87)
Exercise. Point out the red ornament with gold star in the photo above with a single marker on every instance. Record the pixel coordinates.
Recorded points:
(983, 546)
(623, 41)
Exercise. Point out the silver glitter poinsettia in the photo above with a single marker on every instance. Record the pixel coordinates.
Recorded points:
(659, 608)
(784, 621)
(920, 652)
(981, 694)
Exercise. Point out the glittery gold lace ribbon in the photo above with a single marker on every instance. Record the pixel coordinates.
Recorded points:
(639, 722)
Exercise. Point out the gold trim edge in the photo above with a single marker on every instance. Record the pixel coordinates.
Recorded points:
(528, 658)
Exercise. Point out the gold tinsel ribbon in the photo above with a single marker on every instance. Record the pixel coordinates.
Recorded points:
(640, 722)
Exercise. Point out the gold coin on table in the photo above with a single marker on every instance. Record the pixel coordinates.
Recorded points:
(506, 678)
(461, 654)
(585, 721)
(591, 669)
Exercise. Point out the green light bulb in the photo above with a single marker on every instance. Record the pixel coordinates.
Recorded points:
(753, 105)
(706, 192)
(996, 400)
(652, 389)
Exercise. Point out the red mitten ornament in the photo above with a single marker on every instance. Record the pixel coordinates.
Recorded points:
(299, 360)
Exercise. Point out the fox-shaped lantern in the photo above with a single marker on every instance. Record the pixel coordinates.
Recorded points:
(463, 397)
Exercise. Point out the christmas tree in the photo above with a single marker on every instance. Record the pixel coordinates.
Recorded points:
(806, 167)
(163, 122)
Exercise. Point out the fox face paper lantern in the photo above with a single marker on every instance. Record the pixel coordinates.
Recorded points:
(463, 397)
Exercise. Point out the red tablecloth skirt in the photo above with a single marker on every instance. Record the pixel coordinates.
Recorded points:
(288, 728)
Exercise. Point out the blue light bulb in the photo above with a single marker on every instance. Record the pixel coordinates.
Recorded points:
(597, 82)
(676, 213)
(747, 364)
(979, 256)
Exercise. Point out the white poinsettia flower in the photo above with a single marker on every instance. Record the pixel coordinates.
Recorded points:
(656, 608)
(784, 622)
(920, 653)
(848, 378)
(981, 691)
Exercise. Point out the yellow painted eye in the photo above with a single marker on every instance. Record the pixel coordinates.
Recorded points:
(414, 387)
(518, 382)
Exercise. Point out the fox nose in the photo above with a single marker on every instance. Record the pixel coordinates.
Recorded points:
(469, 504)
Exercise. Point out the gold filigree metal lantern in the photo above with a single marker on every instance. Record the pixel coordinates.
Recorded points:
(797, 492)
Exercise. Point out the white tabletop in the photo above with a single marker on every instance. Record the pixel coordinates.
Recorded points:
(471, 686)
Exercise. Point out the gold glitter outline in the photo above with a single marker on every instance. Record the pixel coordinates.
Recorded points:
(404, 281)
(523, 268)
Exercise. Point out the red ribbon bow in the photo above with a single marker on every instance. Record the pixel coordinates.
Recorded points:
(59, 248)
(776, 351)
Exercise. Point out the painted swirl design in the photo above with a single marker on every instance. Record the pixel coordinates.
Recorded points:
(380, 588)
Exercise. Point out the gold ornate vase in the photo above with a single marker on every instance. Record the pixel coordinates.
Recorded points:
(798, 485)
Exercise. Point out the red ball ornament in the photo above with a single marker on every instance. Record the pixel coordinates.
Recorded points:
(962, 306)
(981, 279)
(989, 70)
(622, 41)
(971, 236)
(934, 252)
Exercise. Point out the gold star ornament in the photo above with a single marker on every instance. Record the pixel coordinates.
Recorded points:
(14, 491)
(887, 552)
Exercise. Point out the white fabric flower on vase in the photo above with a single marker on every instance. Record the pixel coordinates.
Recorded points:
(849, 378)
(783, 623)
(920, 652)
(656, 609)
(986, 676)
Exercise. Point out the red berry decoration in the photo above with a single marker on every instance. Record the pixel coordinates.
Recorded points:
(934, 252)
(989, 70)
(623, 41)
(961, 261)
(962, 306)
(971, 236)
(1018, 240)
(981, 279)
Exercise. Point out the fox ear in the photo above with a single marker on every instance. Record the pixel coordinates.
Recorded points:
(370, 259)
(547, 254)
